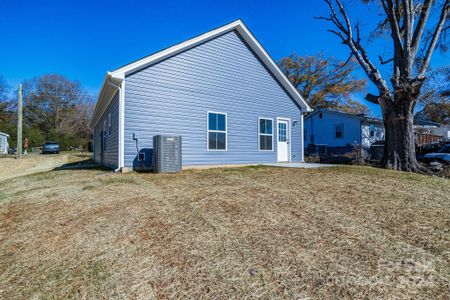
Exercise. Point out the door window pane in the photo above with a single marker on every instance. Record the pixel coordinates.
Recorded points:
(282, 132)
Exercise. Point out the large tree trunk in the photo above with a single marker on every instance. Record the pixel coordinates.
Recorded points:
(400, 150)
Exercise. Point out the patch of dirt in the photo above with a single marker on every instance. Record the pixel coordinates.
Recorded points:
(34, 163)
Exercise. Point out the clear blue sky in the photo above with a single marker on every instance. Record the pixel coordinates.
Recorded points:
(84, 39)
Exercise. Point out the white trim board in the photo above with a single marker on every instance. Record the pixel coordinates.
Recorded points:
(119, 74)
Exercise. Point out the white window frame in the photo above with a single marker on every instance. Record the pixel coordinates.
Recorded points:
(208, 131)
(343, 130)
(372, 129)
(259, 133)
(105, 135)
(109, 125)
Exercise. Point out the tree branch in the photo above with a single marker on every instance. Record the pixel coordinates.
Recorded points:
(345, 63)
(425, 12)
(346, 35)
(388, 6)
(408, 23)
(434, 40)
(383, 62)
(372, 98)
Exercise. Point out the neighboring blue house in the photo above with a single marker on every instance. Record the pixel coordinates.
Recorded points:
(340, 132)
(220, 91)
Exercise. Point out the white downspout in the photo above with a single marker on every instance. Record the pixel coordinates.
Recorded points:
(302, 138)
(119, 88)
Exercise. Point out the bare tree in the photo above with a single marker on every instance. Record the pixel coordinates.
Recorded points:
(59, 108)
(325, 82)
(406, 20)
(4, 102)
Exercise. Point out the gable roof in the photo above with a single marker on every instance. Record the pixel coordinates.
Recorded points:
(420, 122)
(119, 74)
(4, 134)
(362, 117)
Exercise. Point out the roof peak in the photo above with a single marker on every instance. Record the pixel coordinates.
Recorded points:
(237, 25)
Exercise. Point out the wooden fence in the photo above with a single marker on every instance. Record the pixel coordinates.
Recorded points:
(425, 138)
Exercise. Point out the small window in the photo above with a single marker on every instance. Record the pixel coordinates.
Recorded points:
(372, 129)
(217, 131)
(105, 133)
(141, 156)
(320, 115)
(339, 131)
(109, 125)
(265, 133)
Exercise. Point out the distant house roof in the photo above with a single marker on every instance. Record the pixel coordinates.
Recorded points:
(427, 123)
(115, 77)
(362, 117)
(4, 134)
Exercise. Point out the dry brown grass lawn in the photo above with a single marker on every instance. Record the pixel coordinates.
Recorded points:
(254, 232)
(34, 162)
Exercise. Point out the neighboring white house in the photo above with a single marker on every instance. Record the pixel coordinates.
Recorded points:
(341, 132)
(442, 130)
(432, 128)
(4, 146)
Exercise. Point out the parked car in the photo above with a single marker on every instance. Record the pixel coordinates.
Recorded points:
(50, 147)
(12, 150)
(442, 155)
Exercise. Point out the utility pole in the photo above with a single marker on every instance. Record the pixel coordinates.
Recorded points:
(19, 123)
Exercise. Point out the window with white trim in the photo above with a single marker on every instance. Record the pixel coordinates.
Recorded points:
(109, 125)
(104, 135)
(338, 131)
(217, 131)
(265, 134)
(372, 130)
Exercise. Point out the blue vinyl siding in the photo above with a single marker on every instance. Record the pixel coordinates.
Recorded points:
(221, 75)
(111, 153)
(324, 129)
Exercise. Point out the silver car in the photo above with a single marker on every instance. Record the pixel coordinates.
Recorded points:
(50, 147)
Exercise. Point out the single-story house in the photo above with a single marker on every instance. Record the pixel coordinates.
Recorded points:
(220, 91)
(4, 146)
(340, 132)
(430, 132)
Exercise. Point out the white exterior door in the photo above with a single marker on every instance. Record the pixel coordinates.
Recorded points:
(283, 141)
